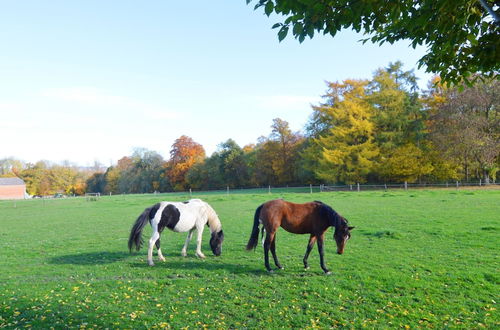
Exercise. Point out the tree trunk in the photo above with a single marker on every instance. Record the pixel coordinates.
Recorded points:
(486, 177)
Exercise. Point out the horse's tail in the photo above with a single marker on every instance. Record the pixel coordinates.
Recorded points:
(254, 237)
(135, 238)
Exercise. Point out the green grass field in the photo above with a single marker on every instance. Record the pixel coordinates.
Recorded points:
(416, 259)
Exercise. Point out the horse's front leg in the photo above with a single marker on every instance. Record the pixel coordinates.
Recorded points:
(188, 239)
(310, 245)
(152, 241)
(321, 255)
(199, 232)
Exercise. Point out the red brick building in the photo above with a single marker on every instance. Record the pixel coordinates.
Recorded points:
(12, 188)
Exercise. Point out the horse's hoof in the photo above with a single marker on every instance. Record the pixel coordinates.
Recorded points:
(184, 254)
(163, 259)
(306, 268)
(328, 273)
(270, 271)
(151, 264)
(201, 256)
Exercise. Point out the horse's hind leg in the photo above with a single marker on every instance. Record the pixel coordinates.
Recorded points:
(267, 245)
(188, 239)
(152, 241)
(310, 245)
(273, 251)
(160, 255)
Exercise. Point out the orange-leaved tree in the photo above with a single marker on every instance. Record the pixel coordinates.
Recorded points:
(184, 154)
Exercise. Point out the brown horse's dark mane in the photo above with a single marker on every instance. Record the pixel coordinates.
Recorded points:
(335, 219)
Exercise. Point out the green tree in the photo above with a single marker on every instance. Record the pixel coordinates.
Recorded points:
(461, 36)
(143, 172)
(227, 166)
(399, 124)
(96, 183)
(234, 168)
(398, 113)
(206, 175)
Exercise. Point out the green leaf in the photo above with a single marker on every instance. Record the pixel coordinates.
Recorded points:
(282, 33)
(277, 25)
(310, 31)
(297, 29)
(268, 9)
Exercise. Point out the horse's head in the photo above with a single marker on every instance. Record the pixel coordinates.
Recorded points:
(216, 242)
(342, 229)
(342, 235)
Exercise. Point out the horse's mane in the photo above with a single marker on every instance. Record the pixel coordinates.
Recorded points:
(213, 218)
(333, 217)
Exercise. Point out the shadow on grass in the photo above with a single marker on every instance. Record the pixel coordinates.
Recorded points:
(202, 265)
(384, 234)
(92, 258)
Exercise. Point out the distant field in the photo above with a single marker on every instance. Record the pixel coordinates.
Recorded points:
(420, 258)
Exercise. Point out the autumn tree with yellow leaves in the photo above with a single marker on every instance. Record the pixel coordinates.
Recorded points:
(347, 148)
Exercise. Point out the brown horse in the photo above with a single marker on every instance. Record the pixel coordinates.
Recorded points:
(310, 218)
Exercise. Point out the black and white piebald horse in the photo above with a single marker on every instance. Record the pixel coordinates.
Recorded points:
(179, 217)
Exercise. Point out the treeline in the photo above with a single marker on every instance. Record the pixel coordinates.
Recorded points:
(379, 130)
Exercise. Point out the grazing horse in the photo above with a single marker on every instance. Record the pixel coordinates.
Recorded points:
(310, 218)
(179, 217)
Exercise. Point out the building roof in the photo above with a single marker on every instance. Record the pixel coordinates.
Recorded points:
(11, 182)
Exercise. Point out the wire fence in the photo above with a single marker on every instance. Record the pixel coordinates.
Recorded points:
(351, 187)
(405, 186)
(322, 188)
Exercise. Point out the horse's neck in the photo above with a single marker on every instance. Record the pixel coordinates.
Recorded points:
(214, 224)
(213, 220)
(337, 223)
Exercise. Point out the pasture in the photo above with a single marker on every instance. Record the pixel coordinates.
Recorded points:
(420, 258)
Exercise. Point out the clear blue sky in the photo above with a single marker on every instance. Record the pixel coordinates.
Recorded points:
(89, 81)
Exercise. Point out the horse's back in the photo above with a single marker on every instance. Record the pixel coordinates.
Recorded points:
(293, 217)
(181, 216)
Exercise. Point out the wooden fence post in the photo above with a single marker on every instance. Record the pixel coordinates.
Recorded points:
(358, 187)
(406, 185)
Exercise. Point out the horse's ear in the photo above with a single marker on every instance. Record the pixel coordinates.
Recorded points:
(350, 228)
